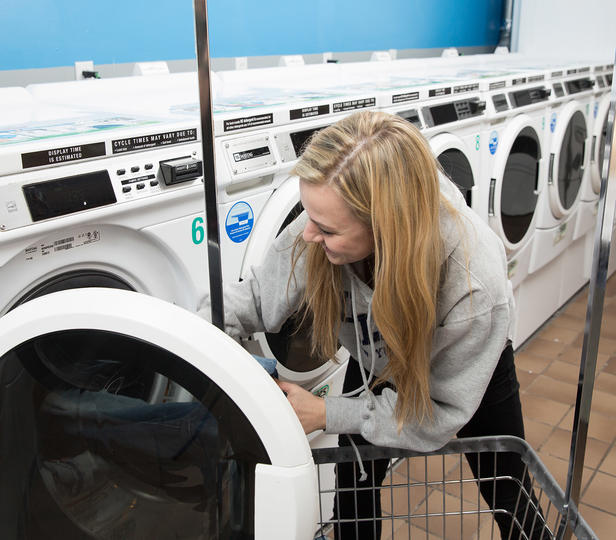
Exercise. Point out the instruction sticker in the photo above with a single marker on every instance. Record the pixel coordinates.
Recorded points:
(437, 92)
(308, 112)
(354, 104)
(240, 221)
(130, 144)
(493, 144)
(248, 122)
(403, 98)
(62, 155)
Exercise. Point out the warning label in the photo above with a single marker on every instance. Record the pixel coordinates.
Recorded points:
(354, 104)
(308, 112)
(119, 146)
(62, 244)
(248, 122)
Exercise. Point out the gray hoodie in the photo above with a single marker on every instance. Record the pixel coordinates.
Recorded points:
(471, 332)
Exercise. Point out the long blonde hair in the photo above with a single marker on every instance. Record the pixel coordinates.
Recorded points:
(383, 168)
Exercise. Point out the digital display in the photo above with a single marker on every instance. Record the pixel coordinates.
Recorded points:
(411, 116)
(300, 139)
(500, 102)
(600, 81)
(443, 114)
(251, 154)
(528, 97)
(558, 90)
(69, 195)
(578, 85)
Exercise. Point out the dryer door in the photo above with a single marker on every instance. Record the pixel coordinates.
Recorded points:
(84, 454)
(514, 185)
(290, 346)
(598, 143)
(567, 160)
(451, 154)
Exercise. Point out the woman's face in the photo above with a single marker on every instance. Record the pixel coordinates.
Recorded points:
(331, 224)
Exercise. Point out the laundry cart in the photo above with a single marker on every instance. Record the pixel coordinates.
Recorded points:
(123, 416)
(435, 495)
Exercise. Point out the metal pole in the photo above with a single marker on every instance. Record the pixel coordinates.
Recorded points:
(594, 311)
(209, 164)
(506, 25)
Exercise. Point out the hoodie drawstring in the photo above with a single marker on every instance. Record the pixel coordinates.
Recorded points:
(366, 381)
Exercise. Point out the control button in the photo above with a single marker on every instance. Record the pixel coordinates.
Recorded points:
(140, 186)
(153, 183)
(120, 172)
(148, 166)
(126, 189)
(135, 168)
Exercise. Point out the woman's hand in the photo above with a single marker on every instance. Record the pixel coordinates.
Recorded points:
(309, 408)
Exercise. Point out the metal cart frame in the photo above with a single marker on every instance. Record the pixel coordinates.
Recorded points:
(442, 499)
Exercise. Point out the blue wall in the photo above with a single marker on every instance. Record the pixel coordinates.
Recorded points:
(52, 33)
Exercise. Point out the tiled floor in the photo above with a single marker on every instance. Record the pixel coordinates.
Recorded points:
(547, 367)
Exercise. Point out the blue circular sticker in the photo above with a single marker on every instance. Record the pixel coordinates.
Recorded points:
(493, 142)
(595, 110)
(553, 122)
(240, 221)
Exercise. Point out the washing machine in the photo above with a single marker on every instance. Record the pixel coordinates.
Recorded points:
(449, 113)
(100, 200)
(91, 448)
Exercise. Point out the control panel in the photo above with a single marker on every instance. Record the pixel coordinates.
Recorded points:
(529, 96)
(453, 111)
(35, 196)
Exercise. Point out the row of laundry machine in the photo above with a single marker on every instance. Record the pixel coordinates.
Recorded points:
(102, 186)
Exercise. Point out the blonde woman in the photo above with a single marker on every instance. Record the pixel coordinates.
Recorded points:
(388, 261)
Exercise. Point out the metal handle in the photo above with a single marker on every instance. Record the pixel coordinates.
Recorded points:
(551, 170)
(491, 199)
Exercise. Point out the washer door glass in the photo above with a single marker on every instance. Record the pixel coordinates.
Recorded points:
(86, 452)
(291, 346)
(519, 188)
(458, 168)
(571, 160)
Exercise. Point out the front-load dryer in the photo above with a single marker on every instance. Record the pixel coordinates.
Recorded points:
(97, 202)
(86, 452)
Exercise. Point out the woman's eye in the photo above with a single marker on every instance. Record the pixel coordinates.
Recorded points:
(326, 233)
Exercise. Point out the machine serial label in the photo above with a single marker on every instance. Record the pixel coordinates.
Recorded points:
(308, 112)
(248, 122)
(536, 78)
(354, 104)
(465, 88)
(120, 146)
(45, 249)
(62, 155)
(498, 84)
(403, 98)
(440, 92)
(556, 74)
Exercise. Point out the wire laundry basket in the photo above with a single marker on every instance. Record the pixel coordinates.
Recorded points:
(435, 495)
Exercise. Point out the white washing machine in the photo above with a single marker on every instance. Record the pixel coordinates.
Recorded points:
(97, 202)
(514, 161)
(90, 449)
(449, 113)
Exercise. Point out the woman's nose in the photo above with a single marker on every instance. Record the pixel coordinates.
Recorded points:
(311, 233)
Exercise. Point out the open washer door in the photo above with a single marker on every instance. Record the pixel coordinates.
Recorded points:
(86, 453)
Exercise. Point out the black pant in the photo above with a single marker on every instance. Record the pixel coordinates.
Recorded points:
(500, 413)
